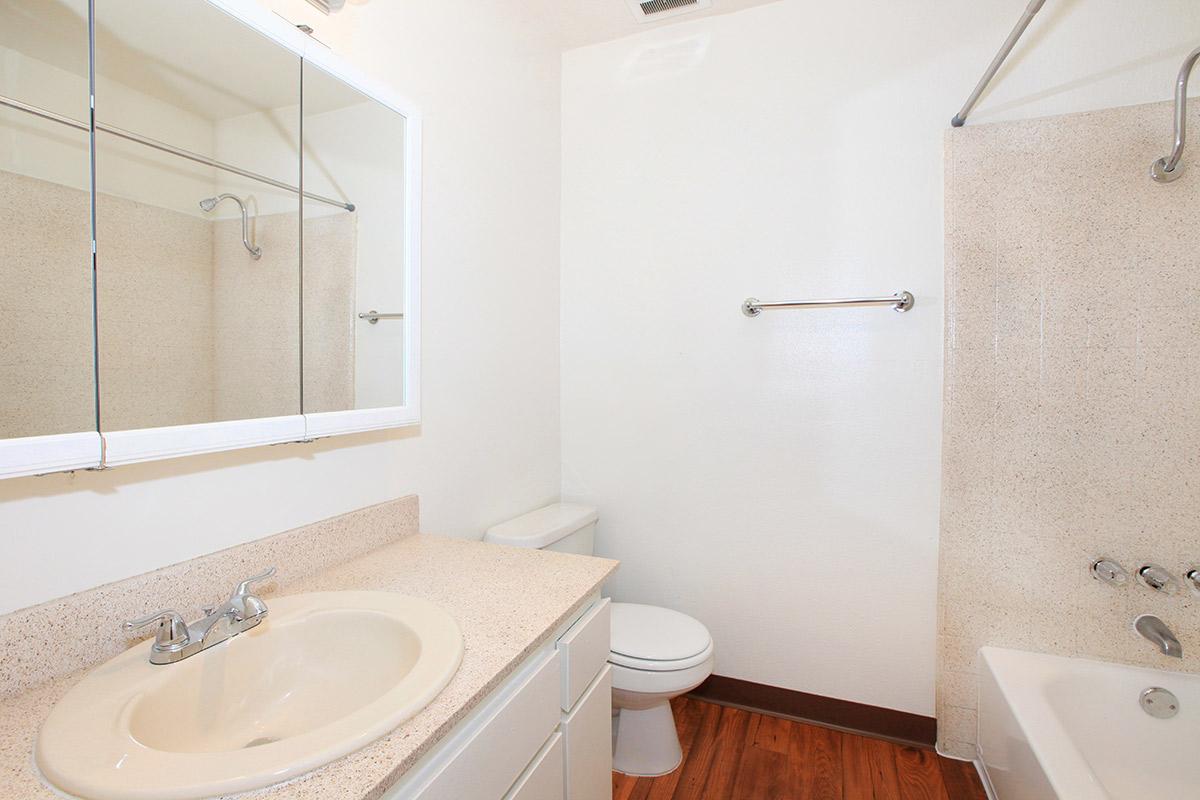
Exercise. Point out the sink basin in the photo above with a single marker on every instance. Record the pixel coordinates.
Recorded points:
(325, 674)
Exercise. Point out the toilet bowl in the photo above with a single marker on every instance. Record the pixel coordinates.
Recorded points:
(656, 653)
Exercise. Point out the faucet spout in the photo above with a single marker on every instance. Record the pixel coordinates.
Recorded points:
(178, 640)
(217, 628)
(1154, 630)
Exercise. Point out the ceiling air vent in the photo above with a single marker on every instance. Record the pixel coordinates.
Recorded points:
(654, 10)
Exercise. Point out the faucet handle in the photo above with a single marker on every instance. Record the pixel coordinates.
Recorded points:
(1109, 571)
(172, 630)
(244, 602)
(1192, 576)
(1152, 576)
(243, 588)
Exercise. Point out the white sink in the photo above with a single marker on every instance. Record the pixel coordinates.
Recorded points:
(323, 675)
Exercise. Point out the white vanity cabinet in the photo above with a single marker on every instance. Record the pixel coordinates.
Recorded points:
(586, 701)
(543, 780)
(544, 734)
(587, 742)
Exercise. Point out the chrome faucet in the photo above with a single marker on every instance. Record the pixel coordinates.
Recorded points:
(1155, 630)
(176, 640)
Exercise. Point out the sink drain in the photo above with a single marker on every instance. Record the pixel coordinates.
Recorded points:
(1159, 702)
(260, 741)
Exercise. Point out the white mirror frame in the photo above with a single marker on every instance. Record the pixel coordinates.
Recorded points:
(38, 455)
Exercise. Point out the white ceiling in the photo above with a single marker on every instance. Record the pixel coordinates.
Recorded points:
(577, 23)
(245, 73)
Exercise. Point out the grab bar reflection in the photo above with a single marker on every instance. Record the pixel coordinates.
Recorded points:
(901, 301)
(373, 316)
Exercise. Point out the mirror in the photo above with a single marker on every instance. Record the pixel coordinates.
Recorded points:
(47, 381)
(198, 263)
(354, 276)
(210, 226)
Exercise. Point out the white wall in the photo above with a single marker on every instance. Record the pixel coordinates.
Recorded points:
(45, 150)
(779, 477)
(489, 445)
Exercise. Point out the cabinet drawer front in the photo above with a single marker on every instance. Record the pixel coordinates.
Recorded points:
(543, 780)
(583, 652)
(486, 762)
(587, 740)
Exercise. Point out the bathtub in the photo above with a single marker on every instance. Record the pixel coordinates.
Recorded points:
(1054, 728)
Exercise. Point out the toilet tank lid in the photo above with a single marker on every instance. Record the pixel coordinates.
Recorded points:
(543, 527)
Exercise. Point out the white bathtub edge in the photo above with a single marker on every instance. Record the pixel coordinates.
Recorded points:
(979, 768)
(988, 789)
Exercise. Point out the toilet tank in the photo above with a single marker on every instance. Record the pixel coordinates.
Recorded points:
(565, 527)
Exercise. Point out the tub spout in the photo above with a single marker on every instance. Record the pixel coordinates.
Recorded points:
(1156, 631)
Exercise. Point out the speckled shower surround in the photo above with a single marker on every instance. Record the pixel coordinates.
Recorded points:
(1072, 393)
(199, 332)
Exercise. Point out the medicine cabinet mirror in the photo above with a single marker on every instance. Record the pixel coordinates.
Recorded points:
(253, 204)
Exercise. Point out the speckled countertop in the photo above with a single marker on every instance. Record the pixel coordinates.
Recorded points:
(487, 588)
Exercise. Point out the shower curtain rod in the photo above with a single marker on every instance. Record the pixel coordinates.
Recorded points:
(1030, 12)
(166, 148)
(1168, 169)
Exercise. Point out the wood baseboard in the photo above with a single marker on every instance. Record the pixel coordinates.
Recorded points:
(843, 715)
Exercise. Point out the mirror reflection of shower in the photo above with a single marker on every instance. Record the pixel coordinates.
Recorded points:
(209, 203)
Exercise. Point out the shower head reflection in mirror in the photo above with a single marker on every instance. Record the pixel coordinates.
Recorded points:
(209, 203)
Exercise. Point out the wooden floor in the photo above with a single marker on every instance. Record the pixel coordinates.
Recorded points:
(730, 754)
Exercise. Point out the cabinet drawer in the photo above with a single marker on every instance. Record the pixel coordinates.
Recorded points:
(583, 652)
(483, 762)
(543, 780)
(587, 742)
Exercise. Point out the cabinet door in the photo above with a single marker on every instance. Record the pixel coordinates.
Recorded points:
(583, 651)
(543, 780)
(197, 222)
(47, 364)
(587, 740)
(483, 759)
(355, 248)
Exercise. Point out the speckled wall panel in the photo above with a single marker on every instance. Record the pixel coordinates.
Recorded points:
(256, 307)
(1072, 426)
(154, 289)
(191, 328)
(46, 378)
(55, 638)
(330, 318)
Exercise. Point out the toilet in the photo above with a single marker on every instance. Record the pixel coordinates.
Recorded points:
(656, 653)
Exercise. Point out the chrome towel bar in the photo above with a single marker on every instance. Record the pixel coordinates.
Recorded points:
(901, 301)
(373, 316)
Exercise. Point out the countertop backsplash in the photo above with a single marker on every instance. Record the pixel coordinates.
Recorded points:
(56, 638)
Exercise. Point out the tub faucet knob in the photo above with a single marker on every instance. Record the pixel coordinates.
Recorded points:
(1192, 576)
(1109, 571)
(1155, 577)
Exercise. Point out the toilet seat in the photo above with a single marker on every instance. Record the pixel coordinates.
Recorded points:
(653, 665)
(658, 683)
(655, 639)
